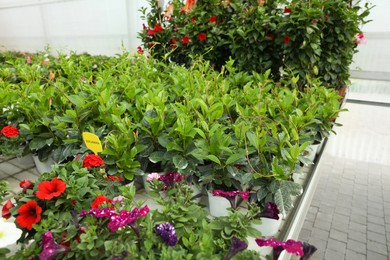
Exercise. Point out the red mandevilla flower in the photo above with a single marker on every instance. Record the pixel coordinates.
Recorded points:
(202, 37)
(92, 160)
(186, 39)
(286, 39)
(29, 214)
(50, 189)
(157, 28)
(5, 213)
(115, 178)
(99, 200)
(140, 50)
(213, 19)
(10, 131)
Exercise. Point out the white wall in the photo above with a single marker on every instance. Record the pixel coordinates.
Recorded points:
(93, 26)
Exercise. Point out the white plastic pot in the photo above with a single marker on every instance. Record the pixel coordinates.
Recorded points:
(218, 206)
(43, 166)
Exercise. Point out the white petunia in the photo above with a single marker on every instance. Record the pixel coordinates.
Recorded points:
(9, 233)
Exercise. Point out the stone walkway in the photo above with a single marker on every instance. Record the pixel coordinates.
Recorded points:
(349, 217)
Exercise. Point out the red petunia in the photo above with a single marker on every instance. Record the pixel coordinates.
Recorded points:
(10, 131)
(213, 19)
(92, 160)
(140, 50)
(50, 189)
(29, 214)
(202, 37)
(186, 39)
(5, 213)
(286, 39)
(99, 200)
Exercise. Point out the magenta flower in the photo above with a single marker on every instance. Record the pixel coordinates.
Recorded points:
(291, 246)
(170, 179)
(118, 199)
(50, 248)
(227, 194)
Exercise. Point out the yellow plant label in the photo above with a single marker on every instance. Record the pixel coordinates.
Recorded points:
(92, 142)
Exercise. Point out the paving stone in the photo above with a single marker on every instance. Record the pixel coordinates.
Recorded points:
(350, 254)
(357, 227)
(359, 219)
(338, 235)
(25, 175)
(375, 219)
(377, 247)
(375, 237)
(332, 254)
(320, 244)
(337, 246)
(9, 168)
(357, 236)
(376, 228)
(321, 224)
(319, 233)
(376, 256)
(304, 235)
(356, 246)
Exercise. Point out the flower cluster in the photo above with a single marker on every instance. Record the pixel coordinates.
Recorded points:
(291, 246)
(9, 131)
(360, 38)
(170, 178)
(229, 194)
(167, 232)
(92, 160)
(116, 220)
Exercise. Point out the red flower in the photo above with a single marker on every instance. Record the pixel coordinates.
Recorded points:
(186, 39)
(193, 19)
(29, 214)
(5, 213)
(99, 200)
(26, 184)
(158, 28)
(115, 178)
(286, 39)
(140, 50)
(92, 160)
(287, 10)
(10, 131)
(151, 32)
(202, 37)
(213, 19)
(50, 189)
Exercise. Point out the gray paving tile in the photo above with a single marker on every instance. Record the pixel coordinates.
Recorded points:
(337, 246)
(376, 256)
(354, 255)
(338, 235)
(331, 254)
(376, 228)
(377, 247)
(9, 168)
(356, 246)
(375, 237)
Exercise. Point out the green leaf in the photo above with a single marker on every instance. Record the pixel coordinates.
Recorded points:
(213, 158)
(180, 162)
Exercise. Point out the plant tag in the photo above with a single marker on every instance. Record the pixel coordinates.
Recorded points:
(92, 142)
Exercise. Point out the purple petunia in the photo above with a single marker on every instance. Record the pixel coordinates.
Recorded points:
(236, 247)
(50, 248)
(270, 211)
(167, 232)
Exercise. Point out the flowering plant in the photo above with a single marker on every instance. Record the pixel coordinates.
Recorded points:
(13, 141)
